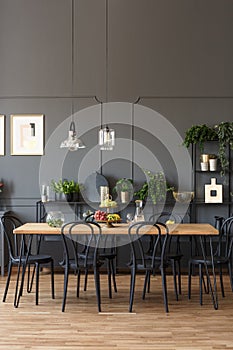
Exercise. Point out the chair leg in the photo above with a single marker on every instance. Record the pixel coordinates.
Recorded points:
(66, 277)
(52, 280)
(7, 281)
(132, 288)
(37, 282)
(109, 279)
(147, 277)
(190, 270)
(173, 263)
(78, 283)
(85, 280)
(200, 282)
(97, 287)
(148, 284)
(179, 277)
(230, 274)
(164, 285)
(221, 280)
(113, 276)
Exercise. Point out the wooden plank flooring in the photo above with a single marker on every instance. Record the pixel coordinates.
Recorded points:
(187, 326)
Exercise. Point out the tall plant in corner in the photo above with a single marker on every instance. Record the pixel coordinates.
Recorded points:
(224, 133)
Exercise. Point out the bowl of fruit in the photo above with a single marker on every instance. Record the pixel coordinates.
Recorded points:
(107, 218)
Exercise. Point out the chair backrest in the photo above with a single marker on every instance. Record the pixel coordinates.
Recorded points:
(145, 245)
(224, 247)
(9, 223)
(165, 216)
(81, 240)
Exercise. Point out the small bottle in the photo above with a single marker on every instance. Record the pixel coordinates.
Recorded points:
(139, 215)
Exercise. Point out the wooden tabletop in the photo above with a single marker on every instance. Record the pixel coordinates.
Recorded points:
(120, 229)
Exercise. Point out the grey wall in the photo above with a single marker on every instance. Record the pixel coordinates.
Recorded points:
(176, 54)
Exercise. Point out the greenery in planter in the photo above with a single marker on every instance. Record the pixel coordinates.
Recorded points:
(123, 185)
(65, 186)
(156, 188)
(223, 133)
(199, 134)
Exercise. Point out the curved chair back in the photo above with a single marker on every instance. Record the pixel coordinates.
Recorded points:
(81, 240)
(9, 223)
(224, 247)
(145, 245)
(165, 216)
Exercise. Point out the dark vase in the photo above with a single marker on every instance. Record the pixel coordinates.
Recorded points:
(70, 197)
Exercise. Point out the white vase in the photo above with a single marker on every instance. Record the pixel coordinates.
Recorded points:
(213, 164)
(124, 197)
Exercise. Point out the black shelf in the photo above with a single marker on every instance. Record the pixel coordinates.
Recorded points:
(199, 180)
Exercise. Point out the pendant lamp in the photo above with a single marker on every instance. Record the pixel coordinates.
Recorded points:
(72, 142)
(106, 135)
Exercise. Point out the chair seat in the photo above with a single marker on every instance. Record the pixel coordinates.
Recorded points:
(35, 258)
(208, 260)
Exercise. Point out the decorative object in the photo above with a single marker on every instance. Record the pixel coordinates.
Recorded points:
(55, 218)
(124, 188)
(213, 161)
(72, 142)
(44, 193)
(213, 192)
(2, 135)
(27, 134)
(104, 193)
(92, 185)
(204, 166)
(183, 196)
(139, 215)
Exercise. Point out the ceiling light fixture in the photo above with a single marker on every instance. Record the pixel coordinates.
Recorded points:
(72, 142)
(106, 135)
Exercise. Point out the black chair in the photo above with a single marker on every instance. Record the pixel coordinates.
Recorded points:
(19, 252)
(173, 256)
(146, 258)
(222, 256)
(108, 253)
(81, 242)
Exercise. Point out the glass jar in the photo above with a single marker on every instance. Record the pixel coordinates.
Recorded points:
(55, 218)
(139, 215)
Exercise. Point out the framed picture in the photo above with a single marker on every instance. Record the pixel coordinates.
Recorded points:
(2, 135)
(27, 134)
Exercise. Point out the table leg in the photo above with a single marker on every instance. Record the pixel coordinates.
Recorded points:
(23, 263)
(213, 289)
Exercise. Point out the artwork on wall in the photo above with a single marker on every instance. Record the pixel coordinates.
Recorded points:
(27, 134)
(213, 192)
(2, 135)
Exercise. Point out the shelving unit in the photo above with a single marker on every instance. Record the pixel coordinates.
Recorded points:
(200, 178)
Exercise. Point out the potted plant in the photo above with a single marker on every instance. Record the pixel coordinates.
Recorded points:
(67, 187)
(124, 188)
(199, 134)
(155, 188)
(223, 133)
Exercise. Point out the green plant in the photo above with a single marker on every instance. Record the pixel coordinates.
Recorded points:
(123, 185)
(142, 193)
(155, 188)
(65, 186)
(199, 134)
(224, 133)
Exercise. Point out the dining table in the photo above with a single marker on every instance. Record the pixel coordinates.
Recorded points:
(200, 230)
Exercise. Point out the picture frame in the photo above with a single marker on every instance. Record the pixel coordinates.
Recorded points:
(2, 135)
(27, 134)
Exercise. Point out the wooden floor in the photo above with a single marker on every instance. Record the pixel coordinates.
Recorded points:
(187, 326)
